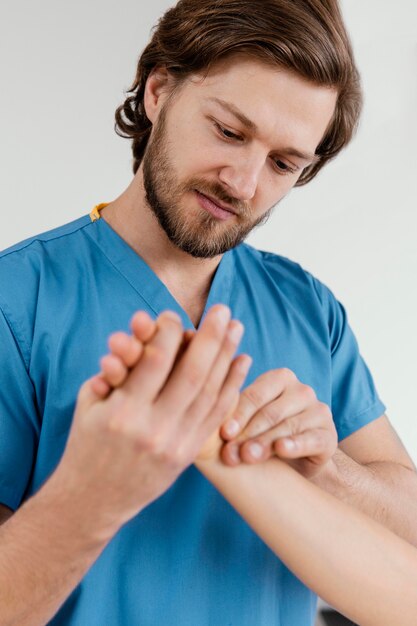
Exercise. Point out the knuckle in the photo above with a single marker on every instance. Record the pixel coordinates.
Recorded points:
(294, 426)
(308, 393)
(254, 396)
(317, 439)
(325, 411)
(162, 448)
(166, 456)
(114, 426)
(269, 379)
(174, 457)
(286, 374)
(150, 442)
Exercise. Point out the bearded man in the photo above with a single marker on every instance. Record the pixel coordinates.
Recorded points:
(112, 516)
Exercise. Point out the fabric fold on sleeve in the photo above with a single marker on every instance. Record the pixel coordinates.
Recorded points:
(19, 423)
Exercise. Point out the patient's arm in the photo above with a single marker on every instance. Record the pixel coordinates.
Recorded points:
(352, 562)
(360, 567)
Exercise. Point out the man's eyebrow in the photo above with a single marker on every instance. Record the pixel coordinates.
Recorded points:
(237, 113)
(250, 125)
(305, 156)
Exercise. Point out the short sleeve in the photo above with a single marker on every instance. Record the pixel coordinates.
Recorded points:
(19, 424)
(355, 401)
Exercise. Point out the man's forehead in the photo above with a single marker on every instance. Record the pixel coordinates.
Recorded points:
(269, 101)
(243, 79)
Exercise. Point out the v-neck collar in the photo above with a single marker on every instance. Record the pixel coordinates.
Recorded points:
(144, 280)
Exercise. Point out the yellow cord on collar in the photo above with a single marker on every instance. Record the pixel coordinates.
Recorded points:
(95, 213)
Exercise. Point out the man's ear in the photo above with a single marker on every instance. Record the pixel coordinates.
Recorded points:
(157, 89)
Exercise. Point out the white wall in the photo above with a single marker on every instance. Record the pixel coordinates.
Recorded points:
(64, 66)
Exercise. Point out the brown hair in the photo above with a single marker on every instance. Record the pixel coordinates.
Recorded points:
(307, 37)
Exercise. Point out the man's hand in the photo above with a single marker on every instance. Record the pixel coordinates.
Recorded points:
(125, 450)
(278, 415)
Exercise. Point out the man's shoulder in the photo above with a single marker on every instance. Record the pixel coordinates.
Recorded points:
(39, 261)
(269, 259)
(287, 273)
(37, 242)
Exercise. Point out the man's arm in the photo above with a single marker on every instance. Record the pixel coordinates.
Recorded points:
(373, 471)
(122, 453)
(46, 547)
(352, 562)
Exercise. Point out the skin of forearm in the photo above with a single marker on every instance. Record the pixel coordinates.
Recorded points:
(385, 491)
(344, 556)
(46, 547)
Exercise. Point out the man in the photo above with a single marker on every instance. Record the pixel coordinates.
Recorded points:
(234, 103)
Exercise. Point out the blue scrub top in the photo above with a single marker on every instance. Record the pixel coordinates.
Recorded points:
(188, 559)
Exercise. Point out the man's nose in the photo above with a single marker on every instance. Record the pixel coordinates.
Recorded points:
(242, 178)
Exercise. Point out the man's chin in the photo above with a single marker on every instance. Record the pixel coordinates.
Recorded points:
(201, 250)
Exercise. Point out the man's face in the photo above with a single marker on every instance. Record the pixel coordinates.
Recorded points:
(227, 148)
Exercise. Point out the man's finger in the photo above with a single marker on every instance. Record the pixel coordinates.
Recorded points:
(261, 392)
(318, 444)
(291, 403)
(290, 441)
(284, 437)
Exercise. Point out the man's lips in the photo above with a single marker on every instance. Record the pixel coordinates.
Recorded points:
(215, 204)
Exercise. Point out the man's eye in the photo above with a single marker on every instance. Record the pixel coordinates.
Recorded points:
(228, 134)
(283, 167)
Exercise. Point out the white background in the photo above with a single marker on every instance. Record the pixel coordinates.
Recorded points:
(64, 66)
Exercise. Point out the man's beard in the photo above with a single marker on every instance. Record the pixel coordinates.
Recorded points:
(199, 233)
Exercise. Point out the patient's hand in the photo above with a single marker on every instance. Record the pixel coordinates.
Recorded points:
(126, 350)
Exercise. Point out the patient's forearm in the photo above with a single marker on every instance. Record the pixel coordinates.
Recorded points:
(361, 568)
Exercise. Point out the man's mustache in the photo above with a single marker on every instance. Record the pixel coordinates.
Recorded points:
(215, 191)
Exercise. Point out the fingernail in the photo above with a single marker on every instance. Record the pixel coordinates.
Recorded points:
(172, 315)
(231, 428)
(256, 450)
(245, 364)
(236, 332)
(223, 313)
(289, 444)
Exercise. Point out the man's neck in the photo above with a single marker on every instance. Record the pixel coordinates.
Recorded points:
(187, 278)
